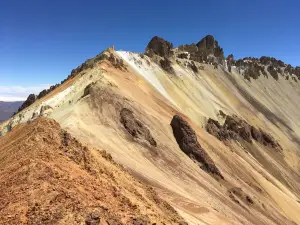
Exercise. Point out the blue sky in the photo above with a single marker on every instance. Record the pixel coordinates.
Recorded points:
(42, 41)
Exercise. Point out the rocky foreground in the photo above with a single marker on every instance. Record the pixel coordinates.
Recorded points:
(48, 177)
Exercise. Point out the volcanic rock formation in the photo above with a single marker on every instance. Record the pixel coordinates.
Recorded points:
(160, 47)
(207, 50)
(236, 128)
(188, 143)
(30, 100)
(208, 45)
(135, 127)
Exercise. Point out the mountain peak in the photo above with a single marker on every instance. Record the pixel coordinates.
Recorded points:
(159, 46)
(209, 45)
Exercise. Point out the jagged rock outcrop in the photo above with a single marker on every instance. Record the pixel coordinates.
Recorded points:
(230, 61)
(230, 58)
(166, 65)
(193, 66)
(273, 72)
(235, 128)
(208, 45)
(29, 101)
(192, 48)
(262, 137)
(47, 91)
(117, 62)
(214, 128)
(160, 47)
(205, 51)
(238, 126)
(265, 60)
(188, 143)
(135, 127)
(252, 67)
(32, 97)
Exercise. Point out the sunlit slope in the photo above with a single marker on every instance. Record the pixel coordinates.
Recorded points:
(154, 96)
(265, 101)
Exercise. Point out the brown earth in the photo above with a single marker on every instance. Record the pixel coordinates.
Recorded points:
(48, 177)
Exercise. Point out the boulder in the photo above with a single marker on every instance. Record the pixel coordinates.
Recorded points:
(135, 127)
(187, 140)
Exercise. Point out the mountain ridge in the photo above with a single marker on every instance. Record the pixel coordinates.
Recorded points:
(122, 102)
(250, 66)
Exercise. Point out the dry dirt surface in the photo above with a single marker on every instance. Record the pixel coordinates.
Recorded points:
(48, 177)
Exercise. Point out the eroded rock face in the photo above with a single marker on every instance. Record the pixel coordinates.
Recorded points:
(160, 47)
(135, 127)
(117, 62)
(238, 126)
(268, 140)
(209, 45)
(29, 101)
(166, 65)
(188, 143)
(235, 128)
(214, 128)
(205, 51)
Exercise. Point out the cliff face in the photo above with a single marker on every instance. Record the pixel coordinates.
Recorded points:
(160, 47)
(124, 102)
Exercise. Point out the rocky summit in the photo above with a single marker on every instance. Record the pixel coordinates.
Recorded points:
(160, 47)
(174, 135)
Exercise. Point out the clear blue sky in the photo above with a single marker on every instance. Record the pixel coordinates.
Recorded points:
(41, 41)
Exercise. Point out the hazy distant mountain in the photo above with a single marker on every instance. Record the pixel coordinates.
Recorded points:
(7, 109)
